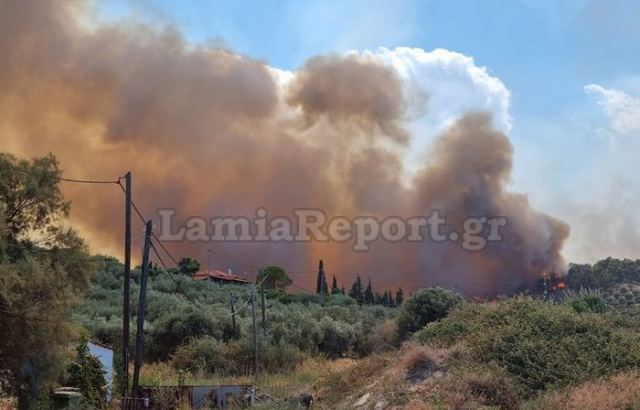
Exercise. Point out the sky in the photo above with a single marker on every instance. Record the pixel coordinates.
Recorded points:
(571, 70)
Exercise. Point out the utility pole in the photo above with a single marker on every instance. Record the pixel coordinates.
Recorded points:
(255, 332)
(141, 309)
(264, 311)
(233, 316)
(127, 275)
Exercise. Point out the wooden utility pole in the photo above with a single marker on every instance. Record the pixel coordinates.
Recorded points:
(264, 311)
(233, 316)
(255, 332)
(141, 309)
(127, 274)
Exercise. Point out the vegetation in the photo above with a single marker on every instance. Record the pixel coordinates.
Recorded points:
(539, 345)
(518, 352)
(274, 278)
(425, 306)
(190, 323)
(188, 266)
(85, 373)
(44, 269)
(604, 273)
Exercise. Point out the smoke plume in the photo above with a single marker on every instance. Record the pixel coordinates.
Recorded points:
(209, 132)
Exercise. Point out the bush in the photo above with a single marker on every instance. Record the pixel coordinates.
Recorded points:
(541, 345)
(211, 356)
(85, 373)
(336, 338)
(202, 354)
(589, 303)
(492, 387)
(425, 306)
(460, 322)
(176, 328)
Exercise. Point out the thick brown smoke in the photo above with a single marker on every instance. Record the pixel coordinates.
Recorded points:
(208, 132)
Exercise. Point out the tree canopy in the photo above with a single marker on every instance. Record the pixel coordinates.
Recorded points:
(276, 278)
(44, 268)
(188, 266)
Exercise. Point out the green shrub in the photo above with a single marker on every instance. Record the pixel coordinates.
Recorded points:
(336, 337)
(589, 303)
(202, 354)
(211, 356)
(425, 306)
(85, 373)
(460, 322)
(539, 344)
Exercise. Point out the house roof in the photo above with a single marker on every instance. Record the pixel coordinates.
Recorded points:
(215, 274)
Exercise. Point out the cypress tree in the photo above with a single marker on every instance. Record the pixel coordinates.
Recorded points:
(356, 289)
(321, 283)
(399, 296)
(385, 298)
(334, 286)
(369, 297)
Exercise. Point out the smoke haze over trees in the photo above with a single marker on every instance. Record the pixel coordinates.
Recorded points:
(223, 134)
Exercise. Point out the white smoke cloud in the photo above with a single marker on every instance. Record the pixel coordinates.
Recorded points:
(440, 86)
(622, 110)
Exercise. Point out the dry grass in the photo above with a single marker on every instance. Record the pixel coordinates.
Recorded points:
(407, 378)
(415, 377)
(420, 362)
(618, 392)
(279, 385)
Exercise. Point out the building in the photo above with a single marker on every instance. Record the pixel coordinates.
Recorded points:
(220, 277)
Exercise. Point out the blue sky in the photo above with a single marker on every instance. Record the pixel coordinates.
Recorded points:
(569, 155)
(543, 50)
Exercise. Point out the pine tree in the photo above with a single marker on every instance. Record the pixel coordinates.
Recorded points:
(334, 286)
(399, 296)
(321, 285)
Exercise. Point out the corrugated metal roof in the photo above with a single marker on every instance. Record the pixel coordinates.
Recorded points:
(215, 274)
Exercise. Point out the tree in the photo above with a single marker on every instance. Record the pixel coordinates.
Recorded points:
(385, 299)
(321, 283)
(589, 303)
(356, 289)
(44, 267)
(334, 286)
(399, 297)
(188, 266)
(425, 306)
(369, 297)
(276, 278)
(31, 200)
(85, 373)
